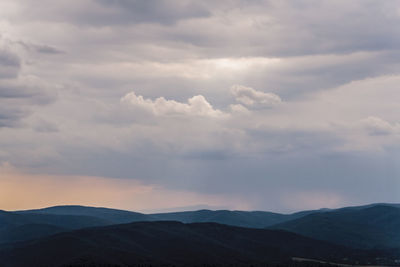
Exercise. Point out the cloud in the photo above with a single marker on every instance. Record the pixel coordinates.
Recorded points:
(27, 89)
(230, 29)
(159, 11)
(105, 13)
(39, 48)
(239, 109)
(10, 116)
(10, 64)
(377, 126)
(44, 126)
(196, 106)
(18, 92)
(250, 97)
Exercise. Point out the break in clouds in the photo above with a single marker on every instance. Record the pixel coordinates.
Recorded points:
(274, 103)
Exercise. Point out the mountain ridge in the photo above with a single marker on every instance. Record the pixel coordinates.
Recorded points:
(28, 224)
(371, 227)
(176, 243)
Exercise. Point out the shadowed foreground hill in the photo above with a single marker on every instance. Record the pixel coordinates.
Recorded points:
(376, 226)
(20, 227)
(31, 224)
(173, 243)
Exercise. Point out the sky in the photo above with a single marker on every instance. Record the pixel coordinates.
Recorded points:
(170, 105)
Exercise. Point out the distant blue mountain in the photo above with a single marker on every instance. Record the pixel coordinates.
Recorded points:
(251, 219)
(111, 216)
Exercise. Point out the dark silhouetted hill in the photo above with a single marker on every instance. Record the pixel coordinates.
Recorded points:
(28, 232)
(19, 227)
(175, 244)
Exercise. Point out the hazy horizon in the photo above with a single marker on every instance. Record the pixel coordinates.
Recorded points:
(157, 105)
(196, 208)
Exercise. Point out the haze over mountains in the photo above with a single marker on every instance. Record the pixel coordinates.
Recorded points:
(354, 234)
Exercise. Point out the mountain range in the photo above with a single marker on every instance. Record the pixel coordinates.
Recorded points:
(78, 235)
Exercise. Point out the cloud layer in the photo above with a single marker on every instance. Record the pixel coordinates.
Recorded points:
(264, 101)
(19, 92)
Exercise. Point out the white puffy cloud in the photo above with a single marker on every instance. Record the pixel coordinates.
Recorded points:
(250, 97)
(196, 105)
(239, 109)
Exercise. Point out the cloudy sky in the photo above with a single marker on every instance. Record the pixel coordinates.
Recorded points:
(156, 105)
